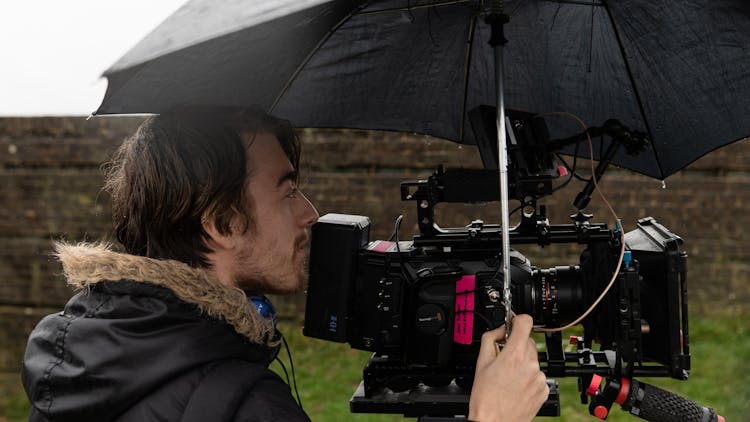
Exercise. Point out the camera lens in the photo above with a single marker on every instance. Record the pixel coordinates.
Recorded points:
(558, 294)
(552, 296)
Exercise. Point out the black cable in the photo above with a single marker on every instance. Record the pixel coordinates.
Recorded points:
(567, 180)
(575, 159)
(291, 365)
(571, 170)
(515, 210)
(396, 228)
(283, 368)
(394, 235)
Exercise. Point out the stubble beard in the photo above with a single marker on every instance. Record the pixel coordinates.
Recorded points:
(270, 281)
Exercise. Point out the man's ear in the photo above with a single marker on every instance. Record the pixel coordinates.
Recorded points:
(216, 239)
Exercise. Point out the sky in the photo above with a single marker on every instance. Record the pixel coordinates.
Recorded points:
(53, 52)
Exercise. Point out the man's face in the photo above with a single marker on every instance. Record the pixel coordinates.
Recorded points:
(270, 255)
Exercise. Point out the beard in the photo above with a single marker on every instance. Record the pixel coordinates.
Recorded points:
(276, 284)
(285, 278)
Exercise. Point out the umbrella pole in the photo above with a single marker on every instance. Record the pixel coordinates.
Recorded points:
(497, 19)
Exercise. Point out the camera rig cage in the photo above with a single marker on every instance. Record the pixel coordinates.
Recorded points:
(421, 306)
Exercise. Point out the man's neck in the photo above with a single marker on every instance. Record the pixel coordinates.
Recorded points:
(219, 269)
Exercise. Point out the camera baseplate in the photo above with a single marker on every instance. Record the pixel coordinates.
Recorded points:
(425, 402)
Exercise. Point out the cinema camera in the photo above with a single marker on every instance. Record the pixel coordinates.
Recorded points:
(421, 306)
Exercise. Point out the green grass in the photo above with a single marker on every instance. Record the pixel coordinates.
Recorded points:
(328, 373)
(14, 407)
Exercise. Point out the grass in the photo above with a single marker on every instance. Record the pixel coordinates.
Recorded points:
(328, 373)
(14, 407)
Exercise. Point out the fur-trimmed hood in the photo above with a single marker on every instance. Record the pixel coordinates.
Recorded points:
(139, 336)
(85, 265)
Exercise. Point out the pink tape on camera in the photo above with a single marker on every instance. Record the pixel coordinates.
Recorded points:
(381, 246)
(463, 327)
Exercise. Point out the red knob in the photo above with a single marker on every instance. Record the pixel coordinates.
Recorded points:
(593, 389)
(601, 412)
(622, 395)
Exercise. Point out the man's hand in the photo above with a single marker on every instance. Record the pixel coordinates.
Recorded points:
(508, 386)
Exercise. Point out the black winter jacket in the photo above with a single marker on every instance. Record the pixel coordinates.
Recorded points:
(149, 340)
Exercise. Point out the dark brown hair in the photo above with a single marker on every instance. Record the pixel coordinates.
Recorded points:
(183, 166)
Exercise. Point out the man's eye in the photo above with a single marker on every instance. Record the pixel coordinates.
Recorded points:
(293, 192)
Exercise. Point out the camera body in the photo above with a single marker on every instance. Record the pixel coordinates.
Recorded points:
(421, 306)
(426, 304)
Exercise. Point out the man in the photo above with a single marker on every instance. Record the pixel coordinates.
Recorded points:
(206, 206)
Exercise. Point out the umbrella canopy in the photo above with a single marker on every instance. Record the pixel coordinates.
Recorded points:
(679, 71)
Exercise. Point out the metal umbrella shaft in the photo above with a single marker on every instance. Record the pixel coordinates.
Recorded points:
(496, 19)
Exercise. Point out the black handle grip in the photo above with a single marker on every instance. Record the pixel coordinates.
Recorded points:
(654, 404)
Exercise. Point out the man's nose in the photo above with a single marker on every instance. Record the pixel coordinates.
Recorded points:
(309, 213)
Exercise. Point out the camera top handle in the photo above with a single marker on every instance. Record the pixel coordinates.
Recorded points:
(475, 185)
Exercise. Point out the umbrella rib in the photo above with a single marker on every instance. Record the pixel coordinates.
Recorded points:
(467, 71)
(309, 57)
(418, 6)
(635, 90)
(579, 2)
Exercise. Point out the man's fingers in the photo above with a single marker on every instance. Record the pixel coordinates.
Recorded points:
(520, 332)
(533, 355)
(488, 348)
(519, 339)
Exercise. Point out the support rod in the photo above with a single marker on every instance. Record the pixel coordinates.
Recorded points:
(497, 19)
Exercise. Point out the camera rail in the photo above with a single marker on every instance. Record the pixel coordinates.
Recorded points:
(487, 236)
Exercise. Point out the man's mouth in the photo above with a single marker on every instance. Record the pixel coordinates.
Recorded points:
(302, 244)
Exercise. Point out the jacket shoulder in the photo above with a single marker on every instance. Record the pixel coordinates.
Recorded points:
(238, 390)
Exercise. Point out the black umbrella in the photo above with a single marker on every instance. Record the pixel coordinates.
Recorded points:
(676, 70)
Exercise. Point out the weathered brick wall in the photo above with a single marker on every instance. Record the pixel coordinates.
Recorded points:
(50, 188)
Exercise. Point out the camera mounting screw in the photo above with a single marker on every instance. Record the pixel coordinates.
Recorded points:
(493, 295)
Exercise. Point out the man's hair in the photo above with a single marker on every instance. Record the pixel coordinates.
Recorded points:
(184, 167)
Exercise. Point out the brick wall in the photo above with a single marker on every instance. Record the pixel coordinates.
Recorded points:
(50, 189)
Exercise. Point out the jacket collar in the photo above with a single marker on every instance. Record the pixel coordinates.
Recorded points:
(85, 265)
